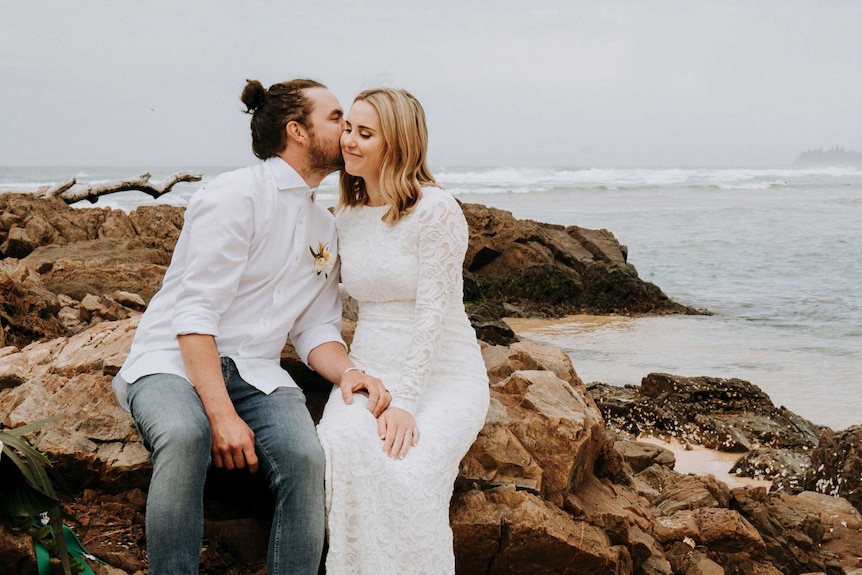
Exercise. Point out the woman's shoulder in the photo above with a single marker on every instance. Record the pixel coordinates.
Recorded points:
(435, 198)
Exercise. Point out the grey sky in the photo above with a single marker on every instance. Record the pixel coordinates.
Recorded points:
(518, 83)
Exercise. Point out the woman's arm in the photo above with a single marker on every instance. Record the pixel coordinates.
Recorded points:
(443, 237)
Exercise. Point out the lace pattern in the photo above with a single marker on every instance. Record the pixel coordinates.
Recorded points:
(392, 516)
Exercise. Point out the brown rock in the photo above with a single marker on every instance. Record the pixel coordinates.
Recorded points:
(522, 534)
(502, 361)
(670, 491)
(809, 532)
(94, 438)
(545, 267)
(17, 551)
(640, 455)
(102, 267)
(720, 530)
(618, 511)
(688, 561)
(28, 311)
(724, 414)
(540, 434)
(836, 465)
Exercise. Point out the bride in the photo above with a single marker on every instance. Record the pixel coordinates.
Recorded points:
(402, 242)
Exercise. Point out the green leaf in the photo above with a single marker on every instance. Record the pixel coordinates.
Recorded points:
(17, 495)
(62, 549)
(32, 465)
(30, 427)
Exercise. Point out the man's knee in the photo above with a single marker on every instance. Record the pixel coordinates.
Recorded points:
(299, 464)
(183, 438)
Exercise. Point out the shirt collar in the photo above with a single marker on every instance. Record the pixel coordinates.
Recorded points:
(286, 178)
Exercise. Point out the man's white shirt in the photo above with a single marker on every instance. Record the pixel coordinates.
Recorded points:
(243, 271)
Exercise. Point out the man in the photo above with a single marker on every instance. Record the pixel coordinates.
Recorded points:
(256, 261)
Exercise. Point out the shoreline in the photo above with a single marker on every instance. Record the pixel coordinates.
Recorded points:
(690, 458)
(699, 460)
(787, 362)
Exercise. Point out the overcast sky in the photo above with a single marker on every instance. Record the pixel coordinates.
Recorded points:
(504, 83)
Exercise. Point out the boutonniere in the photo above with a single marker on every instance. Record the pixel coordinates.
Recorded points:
(323, 260)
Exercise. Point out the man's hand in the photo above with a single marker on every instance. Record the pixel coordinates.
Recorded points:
(378, 396)
(397, 429)
(232, 439)
(233, 443)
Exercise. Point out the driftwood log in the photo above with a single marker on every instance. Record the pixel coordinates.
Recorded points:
(72, 191)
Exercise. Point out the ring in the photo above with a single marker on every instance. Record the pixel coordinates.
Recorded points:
(408, 433)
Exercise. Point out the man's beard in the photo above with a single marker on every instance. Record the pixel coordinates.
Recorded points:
(324, 160)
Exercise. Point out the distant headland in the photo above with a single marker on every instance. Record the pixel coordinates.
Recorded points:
(837, 156)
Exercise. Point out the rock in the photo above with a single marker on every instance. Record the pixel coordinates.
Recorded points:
(551, 269)
(503, 361)
(102, 267)
(524, 535)
(684, 559)
(620, 512)
(639, 455)
(28, 311)
(836, 465)
(809, 532)
(486, 320)
(541, 434)
(723, 414)
(726, 531)
(543, 490)
(537, 269)
(677, 492)
(786, 468)
(17, 551)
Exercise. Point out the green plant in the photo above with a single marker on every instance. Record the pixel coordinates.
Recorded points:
(26, 490)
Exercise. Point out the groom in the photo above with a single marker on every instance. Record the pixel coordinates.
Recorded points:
(256, 261)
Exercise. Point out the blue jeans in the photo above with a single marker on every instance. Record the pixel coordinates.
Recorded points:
(175, 428)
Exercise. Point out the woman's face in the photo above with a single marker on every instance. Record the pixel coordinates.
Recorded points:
(362, 142)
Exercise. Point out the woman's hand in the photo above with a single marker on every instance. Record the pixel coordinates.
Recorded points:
(397, 429)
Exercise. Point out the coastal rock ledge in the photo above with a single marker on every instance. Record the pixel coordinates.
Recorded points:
(544, 489)
(54, 256)
(552, 485)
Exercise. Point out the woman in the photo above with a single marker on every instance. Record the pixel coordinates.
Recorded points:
(402, 242)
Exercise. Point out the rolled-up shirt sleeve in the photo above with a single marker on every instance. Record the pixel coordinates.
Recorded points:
(321, 322)
(219, 225)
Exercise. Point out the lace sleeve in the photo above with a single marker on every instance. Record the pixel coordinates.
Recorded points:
(443, 239)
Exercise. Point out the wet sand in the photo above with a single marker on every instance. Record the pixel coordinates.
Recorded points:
(702, 461)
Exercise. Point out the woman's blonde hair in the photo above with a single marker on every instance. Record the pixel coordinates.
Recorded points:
(404, 170)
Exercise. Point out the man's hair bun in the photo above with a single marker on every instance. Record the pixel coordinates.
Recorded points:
(253, 95)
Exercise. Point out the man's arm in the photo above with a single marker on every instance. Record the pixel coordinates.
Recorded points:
(331, 361)
(232, 438)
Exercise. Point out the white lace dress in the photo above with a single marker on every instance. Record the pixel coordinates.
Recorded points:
(388, 516)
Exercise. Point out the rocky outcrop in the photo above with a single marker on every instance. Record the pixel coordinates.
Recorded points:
(552, 269)
(724, 414)
(836, 465)
(513, 267)
(543, 490)
(556, 481)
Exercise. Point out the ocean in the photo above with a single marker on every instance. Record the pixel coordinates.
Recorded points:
(773, 253)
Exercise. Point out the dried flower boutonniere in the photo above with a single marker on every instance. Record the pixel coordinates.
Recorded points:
(323, 259)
